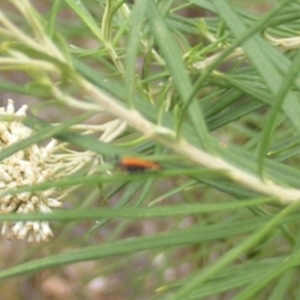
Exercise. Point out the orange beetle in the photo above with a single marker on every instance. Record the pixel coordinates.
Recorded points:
(134, 164)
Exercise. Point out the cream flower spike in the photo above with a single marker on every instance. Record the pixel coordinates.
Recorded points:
(26, 167)
(29, 166)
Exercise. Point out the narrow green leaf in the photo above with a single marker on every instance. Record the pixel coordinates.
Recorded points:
(266, 135)
(176, 238)
(173, 59)
(133, 212)
(86, 17)
(233, 254)
(290, 262)
(137, 17)
(233, 277)
(53, 16)
(259, 53)
(282, 286)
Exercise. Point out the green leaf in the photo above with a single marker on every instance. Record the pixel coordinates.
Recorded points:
(86, 17)
(132, 213)
(233, 254)
(137, 18)
(176, 238)
(269, 124)
(173, 59)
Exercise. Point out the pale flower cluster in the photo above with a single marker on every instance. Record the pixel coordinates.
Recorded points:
(32, 165)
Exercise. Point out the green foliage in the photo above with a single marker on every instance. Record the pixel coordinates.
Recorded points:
(213, 99)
